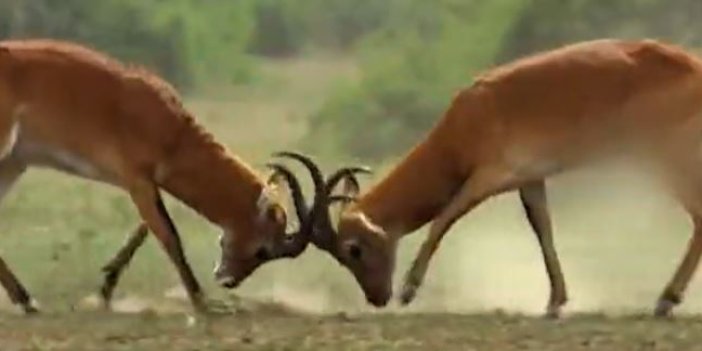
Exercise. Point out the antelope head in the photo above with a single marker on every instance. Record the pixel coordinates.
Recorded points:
(363, 248)
(356, 243)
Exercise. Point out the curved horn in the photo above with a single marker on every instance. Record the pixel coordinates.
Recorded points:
(296, 242)
(318, 227)
(315, 172)
(324, 234)
(301, 209)
(317, 180)
(348, 174)
(341, 198)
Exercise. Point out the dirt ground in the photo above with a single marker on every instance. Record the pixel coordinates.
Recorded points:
(285, 331)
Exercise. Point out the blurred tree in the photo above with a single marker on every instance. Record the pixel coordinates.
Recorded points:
(274, 32)
(550, 23)
(411, 68)
(286, 27)
(187, 41)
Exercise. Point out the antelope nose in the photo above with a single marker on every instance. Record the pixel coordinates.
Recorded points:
(228, 282)
(224, 278)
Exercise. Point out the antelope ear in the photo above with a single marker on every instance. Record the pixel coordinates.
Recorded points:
(266, 201)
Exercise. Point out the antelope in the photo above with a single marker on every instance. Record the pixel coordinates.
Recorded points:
(71, 108)
(513, 127)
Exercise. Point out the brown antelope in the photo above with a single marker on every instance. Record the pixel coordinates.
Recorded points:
(130, 130)
(513, 127)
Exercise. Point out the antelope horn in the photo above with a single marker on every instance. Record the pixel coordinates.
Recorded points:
(293, 244)
(301, 209)
(296, 242)
(341, 198)
(318, 227)
(349, 174)
(315, 173)
(324, 234)
(352, 186)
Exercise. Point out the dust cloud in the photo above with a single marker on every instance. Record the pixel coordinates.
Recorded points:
(619, 235)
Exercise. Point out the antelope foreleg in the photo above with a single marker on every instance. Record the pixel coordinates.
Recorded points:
(481, 185)
(687, 182)
(154, 213)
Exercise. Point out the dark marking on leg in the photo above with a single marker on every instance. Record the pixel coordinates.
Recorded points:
(113, 270)
(17, 293)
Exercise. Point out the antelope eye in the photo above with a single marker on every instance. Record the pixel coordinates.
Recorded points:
(355, 252)
(262, 254)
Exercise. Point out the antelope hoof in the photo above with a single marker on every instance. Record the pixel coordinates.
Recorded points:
(409, 292)
(207, 307)
(108, 286)
(218, 307)
(664, 308)
(553, 311)
(30, 308)
(106, 299)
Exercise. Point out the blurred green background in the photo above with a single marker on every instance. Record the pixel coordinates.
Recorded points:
(349, 81)
(411, 54)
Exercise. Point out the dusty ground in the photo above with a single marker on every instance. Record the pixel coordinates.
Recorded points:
(281, 331)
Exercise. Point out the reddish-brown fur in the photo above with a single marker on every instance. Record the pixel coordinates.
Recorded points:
(525, 121)
(83, 112)
(128, 121)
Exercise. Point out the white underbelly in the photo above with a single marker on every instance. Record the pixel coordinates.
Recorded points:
(38, 154)
(527, 163)
(31, 152)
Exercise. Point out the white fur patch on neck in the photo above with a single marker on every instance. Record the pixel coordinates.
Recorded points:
(369, 224)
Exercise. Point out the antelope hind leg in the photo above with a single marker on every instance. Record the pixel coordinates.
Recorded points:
(113, 269)
(10, 171)
(534, 201)
(688, 186)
